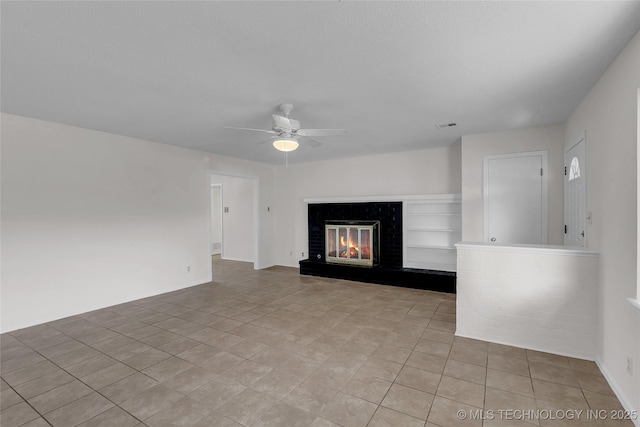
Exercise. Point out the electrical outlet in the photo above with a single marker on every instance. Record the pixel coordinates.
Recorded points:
(303, 254)
(629, 365)
(188, 269)
(290, 253)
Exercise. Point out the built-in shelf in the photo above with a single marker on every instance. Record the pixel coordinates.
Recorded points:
(448, 230)
(436, 214)
(442, 248)
(439, 266)
(432, 225)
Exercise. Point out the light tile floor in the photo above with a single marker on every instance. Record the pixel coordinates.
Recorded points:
(273, 348)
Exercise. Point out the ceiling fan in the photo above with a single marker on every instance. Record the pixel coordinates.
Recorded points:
(288, 133)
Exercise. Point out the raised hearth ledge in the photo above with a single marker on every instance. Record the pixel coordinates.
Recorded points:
(532, 249)
(440, 281)
(367, 199)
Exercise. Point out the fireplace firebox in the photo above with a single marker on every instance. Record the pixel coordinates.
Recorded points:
(352, 242)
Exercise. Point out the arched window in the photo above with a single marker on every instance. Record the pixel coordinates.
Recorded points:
(574, 170)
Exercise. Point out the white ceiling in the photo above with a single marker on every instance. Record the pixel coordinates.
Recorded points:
(178, 72)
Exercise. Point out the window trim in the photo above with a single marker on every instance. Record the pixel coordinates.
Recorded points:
(635, 302)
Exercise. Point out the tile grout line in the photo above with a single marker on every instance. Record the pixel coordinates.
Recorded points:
(77, 379)
(27, 402)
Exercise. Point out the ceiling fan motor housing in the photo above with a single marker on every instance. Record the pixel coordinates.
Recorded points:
(286, 109)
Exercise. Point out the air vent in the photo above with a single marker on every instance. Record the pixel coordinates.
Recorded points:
(445, 125)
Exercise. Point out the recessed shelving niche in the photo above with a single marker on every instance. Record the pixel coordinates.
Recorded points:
(432, 225)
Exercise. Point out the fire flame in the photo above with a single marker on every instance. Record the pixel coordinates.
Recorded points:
(351, 244)
(351, 250)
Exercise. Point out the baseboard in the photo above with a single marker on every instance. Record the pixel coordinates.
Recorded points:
(263, 267)
(618, 392)
(491, 338)
(235, 259)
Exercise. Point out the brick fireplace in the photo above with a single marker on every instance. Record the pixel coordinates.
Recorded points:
(341, 253)
(388, 215)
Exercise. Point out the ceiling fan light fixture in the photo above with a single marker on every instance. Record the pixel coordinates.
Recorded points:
(285, 144)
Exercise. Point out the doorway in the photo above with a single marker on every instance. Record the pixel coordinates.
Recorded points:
(216, 219)
(575, 204)
(515, 198)
(238, 217)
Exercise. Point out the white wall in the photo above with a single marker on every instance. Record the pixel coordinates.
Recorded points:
(435, 170)
(541, 298)
(475, 147)
(238, 228)
(609, 116)
(91, 219)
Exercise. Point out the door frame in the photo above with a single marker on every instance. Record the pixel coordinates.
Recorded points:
(221, 218)
(544, 205)
(582, 138)
(257, 264)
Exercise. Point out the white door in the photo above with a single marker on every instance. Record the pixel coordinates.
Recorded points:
(575, 205)
(216, 219)
(515, 198)
(238, 219)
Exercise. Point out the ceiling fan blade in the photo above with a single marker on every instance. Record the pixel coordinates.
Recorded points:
(322, 132)
(312, 142)
(282, 122)
(295, 125)
(269, 140)
(256, 130)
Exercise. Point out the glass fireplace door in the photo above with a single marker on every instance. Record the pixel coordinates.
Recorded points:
(349, 244)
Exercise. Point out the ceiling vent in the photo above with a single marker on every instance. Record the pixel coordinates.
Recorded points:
(445, 125)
